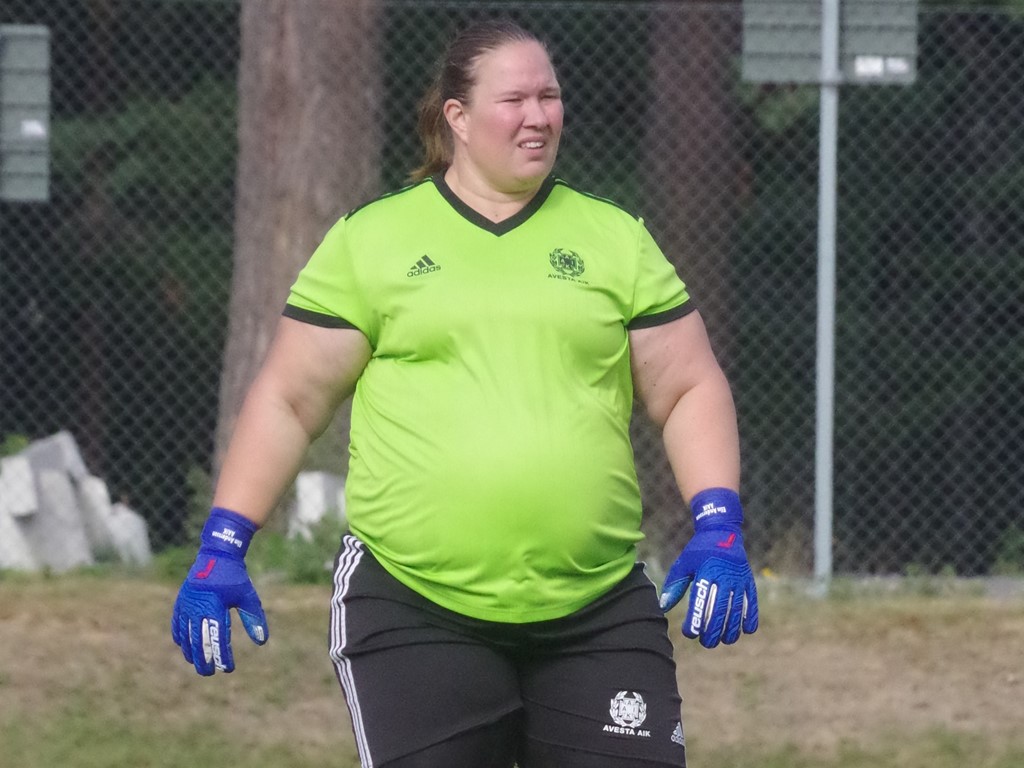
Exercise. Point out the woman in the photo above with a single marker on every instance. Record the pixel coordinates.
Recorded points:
(492, 323)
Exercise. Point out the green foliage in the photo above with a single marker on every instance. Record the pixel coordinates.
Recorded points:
(273, 556)
(1010, 557)
(175, 154)
(13, 444)
(778, 109)
(296, 559)
(200, 499)
(172, 563)
(918, 580)
(137, 144)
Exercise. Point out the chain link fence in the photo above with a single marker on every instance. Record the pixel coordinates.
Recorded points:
(115, 293)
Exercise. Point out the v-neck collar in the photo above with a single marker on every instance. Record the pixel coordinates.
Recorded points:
(497, 228)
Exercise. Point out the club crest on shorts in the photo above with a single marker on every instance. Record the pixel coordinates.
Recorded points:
(628, 712)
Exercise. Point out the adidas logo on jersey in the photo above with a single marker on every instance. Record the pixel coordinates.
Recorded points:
(422, 267)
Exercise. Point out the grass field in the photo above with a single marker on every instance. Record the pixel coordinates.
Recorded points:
(89, 678)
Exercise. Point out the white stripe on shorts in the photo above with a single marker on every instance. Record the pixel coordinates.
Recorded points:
(351, 554)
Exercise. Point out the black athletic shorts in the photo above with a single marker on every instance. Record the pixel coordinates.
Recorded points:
(426, 686)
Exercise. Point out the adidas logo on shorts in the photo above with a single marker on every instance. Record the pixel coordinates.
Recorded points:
(677, 734)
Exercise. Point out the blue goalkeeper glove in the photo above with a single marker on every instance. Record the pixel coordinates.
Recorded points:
(724, 596)
(216, 583)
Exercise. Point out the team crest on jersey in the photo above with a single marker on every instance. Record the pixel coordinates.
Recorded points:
(628, 712)
(567, 264)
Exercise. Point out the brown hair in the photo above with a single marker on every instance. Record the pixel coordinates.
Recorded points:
(454, 79)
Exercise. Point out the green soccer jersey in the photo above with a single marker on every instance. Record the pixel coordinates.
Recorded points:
(491, 469)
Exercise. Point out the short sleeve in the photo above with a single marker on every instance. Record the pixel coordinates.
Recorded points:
(326, 292)
(659, 295)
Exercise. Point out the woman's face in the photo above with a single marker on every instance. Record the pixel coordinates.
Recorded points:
(508, 130)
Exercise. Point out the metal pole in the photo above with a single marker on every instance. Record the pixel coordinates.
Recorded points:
(825, 379)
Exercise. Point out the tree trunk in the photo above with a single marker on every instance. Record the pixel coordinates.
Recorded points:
(308, 151)
(99, 218)
(695, 166)
(694, 174)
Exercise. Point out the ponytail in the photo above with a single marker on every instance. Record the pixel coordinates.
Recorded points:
(434, 133)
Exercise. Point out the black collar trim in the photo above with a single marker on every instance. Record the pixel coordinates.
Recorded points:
(497, 228)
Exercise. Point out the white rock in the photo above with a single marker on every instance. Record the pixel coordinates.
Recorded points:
(58, 451)
(95, 506)
(15, 550)
(317, 494)
(55, 531)
(17, 486)
(130, 535)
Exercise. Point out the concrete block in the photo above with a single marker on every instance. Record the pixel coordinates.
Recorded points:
(54, 514)
(130, 535)
(96, 509)
(317, 494)
(55, 531)
(58, 451)
(15, 549)
(17, 486)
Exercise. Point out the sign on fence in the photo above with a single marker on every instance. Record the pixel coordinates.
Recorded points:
(24, 113)
(877, 41)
